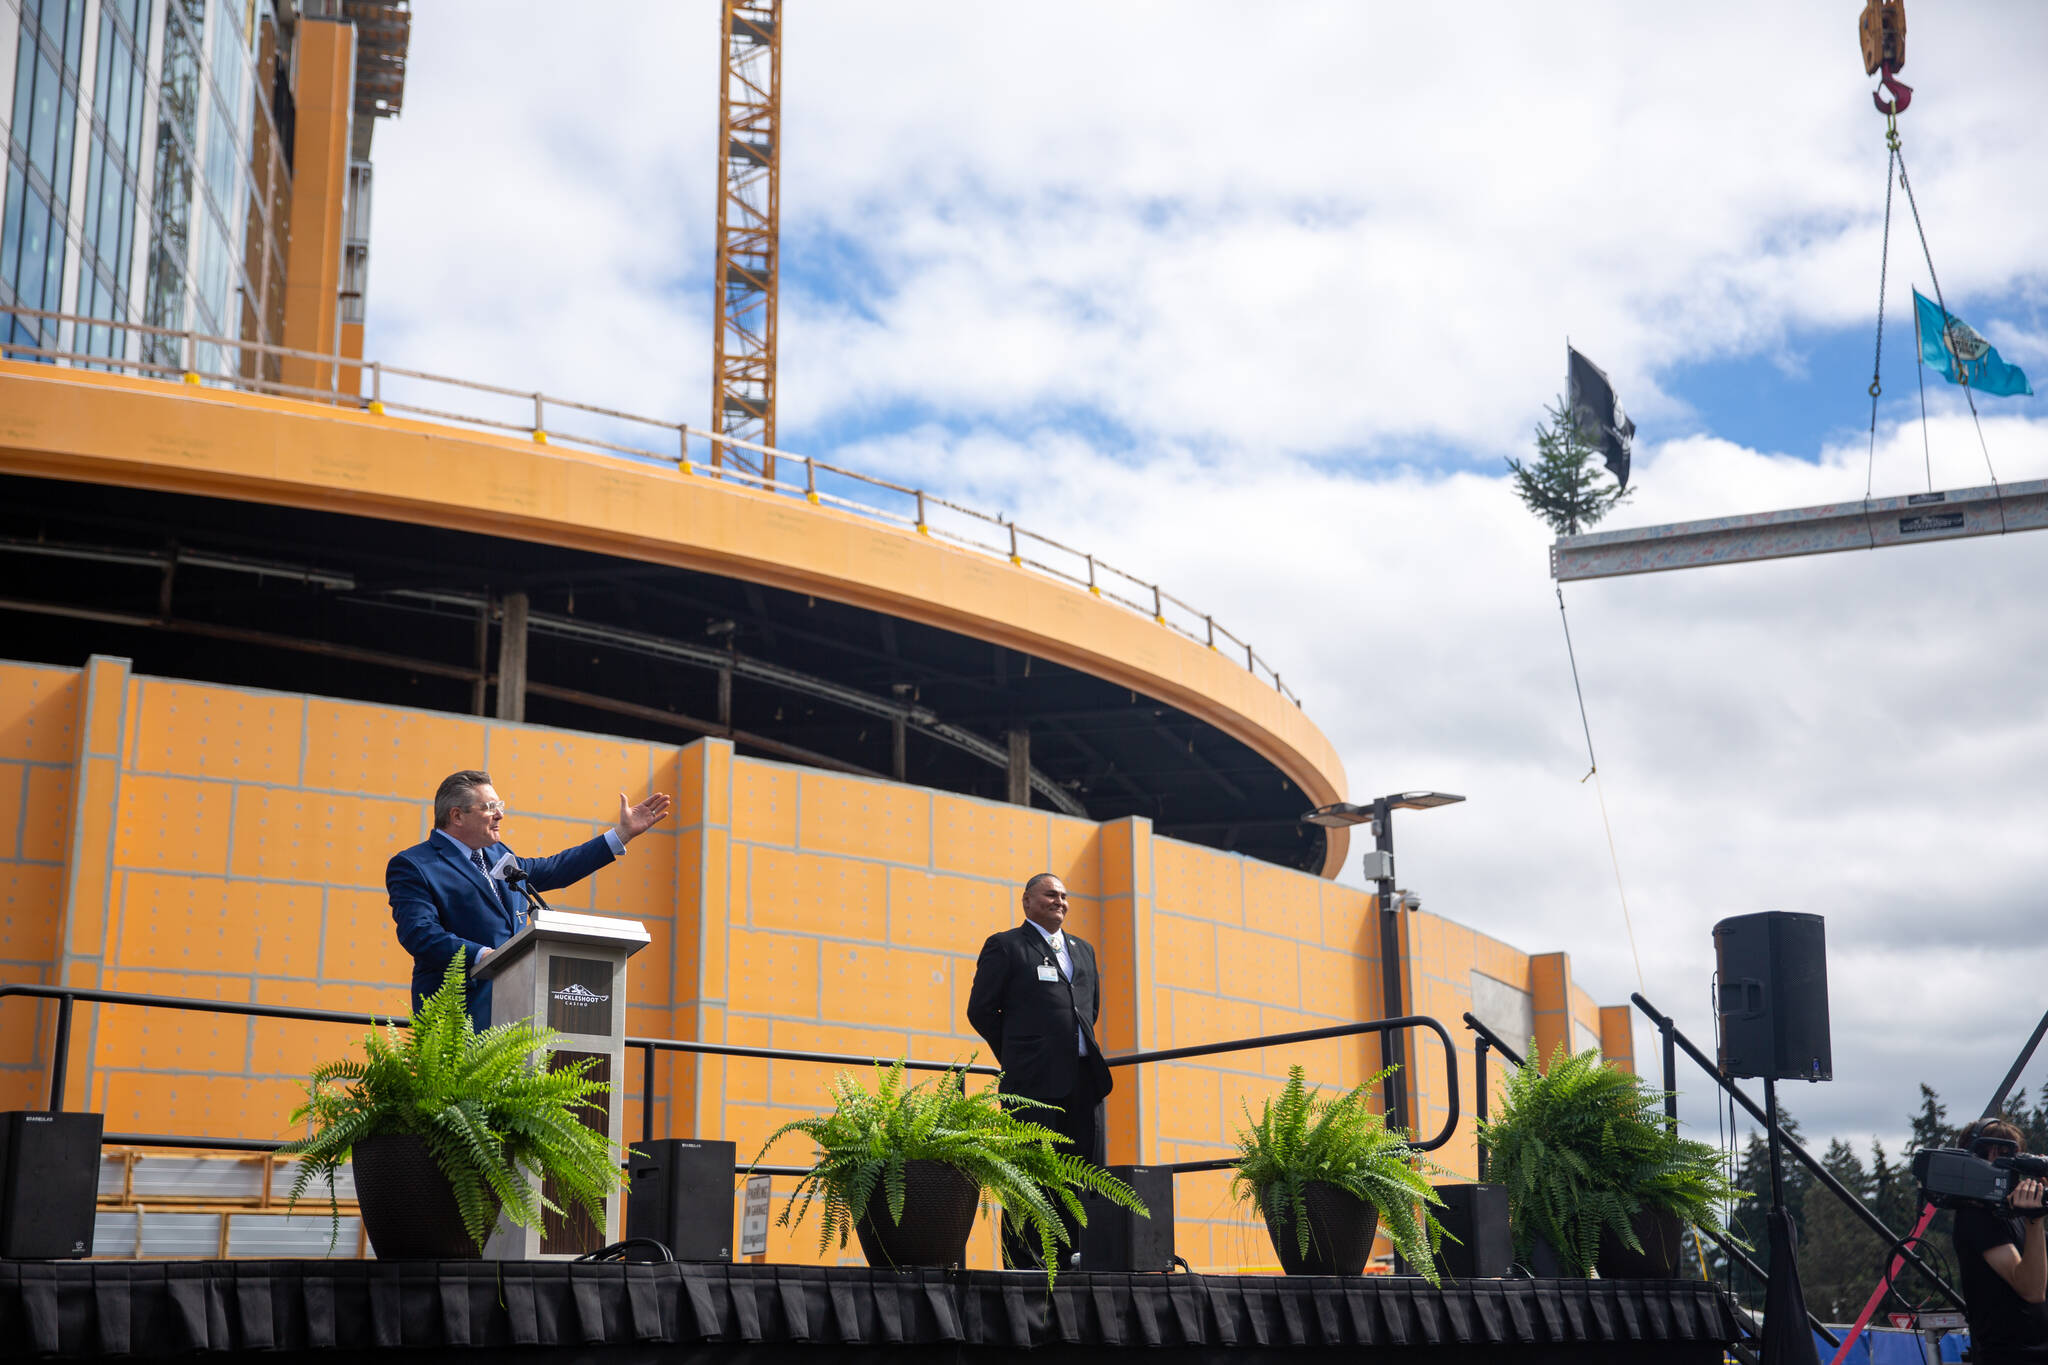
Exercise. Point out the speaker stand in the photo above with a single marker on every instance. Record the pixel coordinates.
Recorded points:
(1787, 1340)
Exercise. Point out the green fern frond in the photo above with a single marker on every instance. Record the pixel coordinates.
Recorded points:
(1583, 1146)
(864, 1144)
(1300, 1137)
(487, 1105)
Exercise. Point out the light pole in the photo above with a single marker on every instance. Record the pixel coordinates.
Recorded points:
(1379, 869)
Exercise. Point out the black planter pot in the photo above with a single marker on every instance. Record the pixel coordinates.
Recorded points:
(1659, 1232)
(1543, 1262)
(1658, 1260)
(1340, 1231)
(409, 1209)
(939, 1204)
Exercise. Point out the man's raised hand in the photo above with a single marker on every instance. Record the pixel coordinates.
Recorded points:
(635, 820)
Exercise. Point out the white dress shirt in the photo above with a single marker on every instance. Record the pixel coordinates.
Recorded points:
(1057, 941)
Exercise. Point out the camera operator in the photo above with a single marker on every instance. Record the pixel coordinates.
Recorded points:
(2003, 1261)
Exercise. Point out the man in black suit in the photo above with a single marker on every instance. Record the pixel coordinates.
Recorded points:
(1035, 999)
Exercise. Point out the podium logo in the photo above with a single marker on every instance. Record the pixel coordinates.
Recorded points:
(578, 999)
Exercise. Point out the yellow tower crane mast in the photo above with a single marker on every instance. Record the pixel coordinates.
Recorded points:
(749, 154)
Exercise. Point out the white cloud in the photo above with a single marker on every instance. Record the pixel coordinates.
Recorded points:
(1300, 261)
(1855, 735)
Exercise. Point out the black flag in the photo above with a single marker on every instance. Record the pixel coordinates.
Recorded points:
(1597, 413)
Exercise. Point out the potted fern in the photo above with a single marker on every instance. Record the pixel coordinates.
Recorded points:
(904, 1169)
(444, 1127)
(1596, 1177)
(1327, 1173)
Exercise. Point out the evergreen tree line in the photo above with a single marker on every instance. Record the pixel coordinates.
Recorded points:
(1840, 1258)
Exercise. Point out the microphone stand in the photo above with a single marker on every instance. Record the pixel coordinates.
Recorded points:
(515, 876)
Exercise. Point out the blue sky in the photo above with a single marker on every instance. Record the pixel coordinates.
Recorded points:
(1257, 305)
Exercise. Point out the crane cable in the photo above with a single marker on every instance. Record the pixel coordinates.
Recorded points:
(1593, 772)
(1895, 161)
(1884, 260)
(1906, 184)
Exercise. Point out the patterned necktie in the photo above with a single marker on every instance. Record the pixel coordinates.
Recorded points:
(497, 886)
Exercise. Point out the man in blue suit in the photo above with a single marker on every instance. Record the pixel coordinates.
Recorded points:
(450, 894)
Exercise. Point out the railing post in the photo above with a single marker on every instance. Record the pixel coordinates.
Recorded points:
(1251, 660)
(1091, 576)
(1670, 1076)
(1210, 622)
(1158, 609)
(1479, 1080)
(63, 1054)
(377, 385)
(1015, 558)
(647, 1094)
(922, 529)
(683, 441)
(811, 481)
(540, 425)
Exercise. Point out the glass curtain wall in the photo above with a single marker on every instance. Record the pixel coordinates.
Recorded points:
(207, 185)
(217, 259)
(39, 162)
(113, 178)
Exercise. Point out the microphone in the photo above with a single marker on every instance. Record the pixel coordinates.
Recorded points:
(515, 876)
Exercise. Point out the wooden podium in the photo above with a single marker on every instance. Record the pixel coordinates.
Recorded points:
(567, 971)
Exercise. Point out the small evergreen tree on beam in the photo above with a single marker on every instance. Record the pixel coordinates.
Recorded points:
(1564, 485)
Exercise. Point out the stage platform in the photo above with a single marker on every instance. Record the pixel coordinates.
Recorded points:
(535, 1311)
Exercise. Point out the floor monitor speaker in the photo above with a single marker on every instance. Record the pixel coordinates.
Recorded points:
(1477, 1215)
(1771, 996)
(49, 1180)
(680, 1193)
(1116, 1238)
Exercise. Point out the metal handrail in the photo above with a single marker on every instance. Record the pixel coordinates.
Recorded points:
(1674, 1040)
(67, 996)
(1151, 599)
(1380, 1026)
(1485, 1038)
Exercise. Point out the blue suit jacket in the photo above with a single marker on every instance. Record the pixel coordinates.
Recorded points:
(441, 903)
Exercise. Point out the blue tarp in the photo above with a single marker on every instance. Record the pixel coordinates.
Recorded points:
(1890, 1346)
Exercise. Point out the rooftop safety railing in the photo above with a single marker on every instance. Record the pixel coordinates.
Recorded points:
(260, 367)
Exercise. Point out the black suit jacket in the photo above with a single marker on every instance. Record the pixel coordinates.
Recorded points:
(1031, 1023)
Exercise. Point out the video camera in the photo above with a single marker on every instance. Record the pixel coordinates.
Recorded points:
(1951, 1178)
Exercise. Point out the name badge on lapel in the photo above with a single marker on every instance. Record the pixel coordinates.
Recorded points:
(1048, 972)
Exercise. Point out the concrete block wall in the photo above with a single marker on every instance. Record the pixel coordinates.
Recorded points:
(192, 839)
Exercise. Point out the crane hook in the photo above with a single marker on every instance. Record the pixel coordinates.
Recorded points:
(1902, 94)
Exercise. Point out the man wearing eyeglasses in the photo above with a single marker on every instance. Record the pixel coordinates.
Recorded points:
(450, 893)
(2003, 1262)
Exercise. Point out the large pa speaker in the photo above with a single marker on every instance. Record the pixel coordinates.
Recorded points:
(1116, 1238)
(1477, 1215)
(1771, 997)
(49, 1178)
(680, 1193)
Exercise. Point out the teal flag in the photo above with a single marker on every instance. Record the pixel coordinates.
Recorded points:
(1961, 355)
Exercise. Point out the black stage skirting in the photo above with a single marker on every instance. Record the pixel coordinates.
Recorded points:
(538, 1311)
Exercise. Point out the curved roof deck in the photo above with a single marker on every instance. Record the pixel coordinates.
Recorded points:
(814, 533)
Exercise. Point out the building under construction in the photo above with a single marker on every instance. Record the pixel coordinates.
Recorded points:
(260, 591)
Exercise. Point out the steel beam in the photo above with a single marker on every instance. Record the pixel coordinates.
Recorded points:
(1862, 525)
